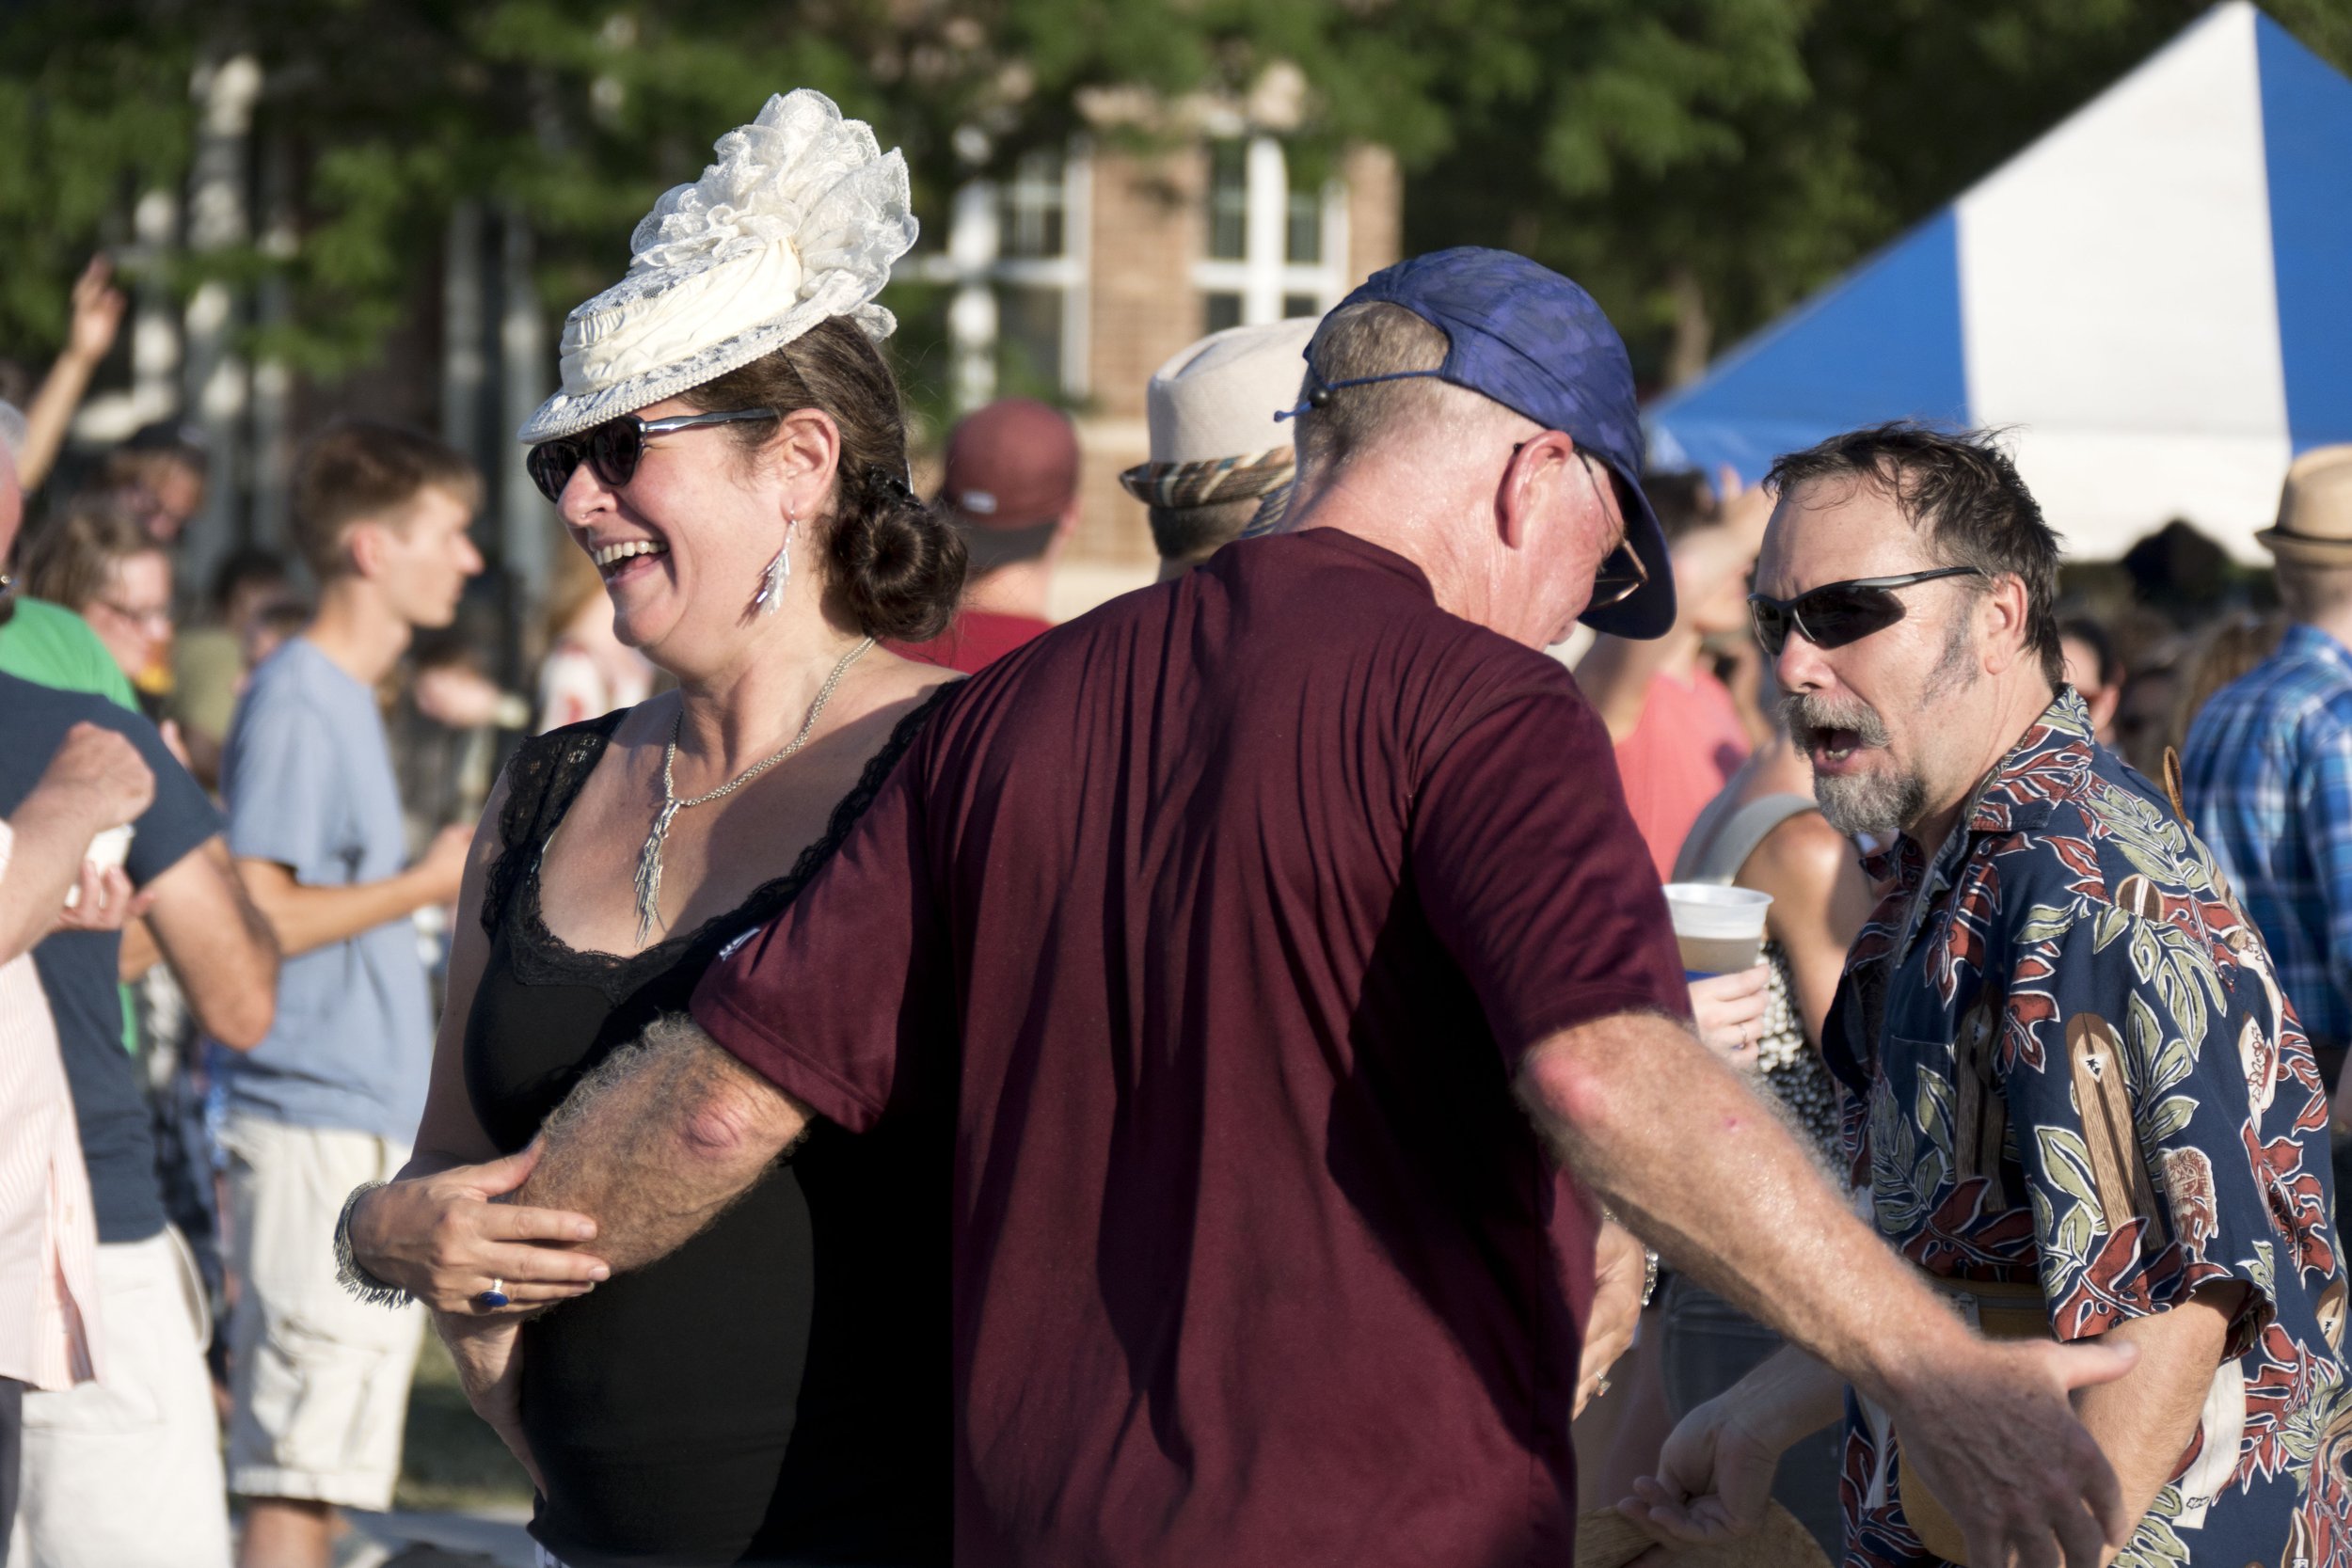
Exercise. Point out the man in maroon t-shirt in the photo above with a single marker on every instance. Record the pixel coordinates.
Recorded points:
(1263, 934)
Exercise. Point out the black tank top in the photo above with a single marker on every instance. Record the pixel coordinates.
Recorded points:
(776, 1390)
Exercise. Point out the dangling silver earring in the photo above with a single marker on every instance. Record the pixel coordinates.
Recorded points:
(779, 572)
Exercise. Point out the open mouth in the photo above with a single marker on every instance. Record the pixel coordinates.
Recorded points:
(1835, 745)
(618, 559)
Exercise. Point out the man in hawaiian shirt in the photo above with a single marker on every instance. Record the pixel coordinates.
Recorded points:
(2074, 1091)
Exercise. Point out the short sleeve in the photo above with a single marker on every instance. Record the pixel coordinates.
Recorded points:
(2135, 1127)
(840, 999)
(288, 800)
(1535, 877)
(177, 819)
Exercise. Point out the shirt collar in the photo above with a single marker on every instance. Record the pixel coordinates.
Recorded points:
(2305, 641)
(2049, 764)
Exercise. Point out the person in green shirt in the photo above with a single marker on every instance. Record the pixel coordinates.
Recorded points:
(41, 641)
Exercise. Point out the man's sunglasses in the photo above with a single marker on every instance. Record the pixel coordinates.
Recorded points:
(613, 448)
(1621, 573)
(1837, 613)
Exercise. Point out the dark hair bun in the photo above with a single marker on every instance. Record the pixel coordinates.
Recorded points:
(898, 563)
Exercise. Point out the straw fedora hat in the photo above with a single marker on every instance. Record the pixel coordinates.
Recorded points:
(1607, 1539)
(2314, 524)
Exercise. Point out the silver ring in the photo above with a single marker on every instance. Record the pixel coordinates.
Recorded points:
(1602, 1387)
(493, 1298)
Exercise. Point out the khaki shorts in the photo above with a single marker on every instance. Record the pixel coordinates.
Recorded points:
(319, 1380)
(125, 1472)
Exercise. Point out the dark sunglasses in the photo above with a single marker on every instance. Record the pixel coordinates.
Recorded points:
(1837, 613)
(613, 448)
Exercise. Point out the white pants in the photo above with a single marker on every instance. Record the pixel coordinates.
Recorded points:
(319, 1380)
(125, 1472)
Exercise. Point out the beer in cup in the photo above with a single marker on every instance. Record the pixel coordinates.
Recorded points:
(1720, 929)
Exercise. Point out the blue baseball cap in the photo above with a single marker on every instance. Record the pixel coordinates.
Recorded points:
(1520, 333)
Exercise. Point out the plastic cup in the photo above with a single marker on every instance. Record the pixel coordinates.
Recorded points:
(1720, 929)
(106, 852)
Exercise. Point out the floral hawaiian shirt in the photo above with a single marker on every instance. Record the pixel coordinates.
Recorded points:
(2066, 1063)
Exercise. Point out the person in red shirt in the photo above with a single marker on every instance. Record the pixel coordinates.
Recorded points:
(1271, 964)
(1012, 488)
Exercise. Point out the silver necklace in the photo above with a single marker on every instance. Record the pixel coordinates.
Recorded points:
(649, 858)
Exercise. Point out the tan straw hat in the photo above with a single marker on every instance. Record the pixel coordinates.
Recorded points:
(2315, 510)
(1607, 1539)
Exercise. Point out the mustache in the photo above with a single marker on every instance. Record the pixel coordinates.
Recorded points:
(1809, 717)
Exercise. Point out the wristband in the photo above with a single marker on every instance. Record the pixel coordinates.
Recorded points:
(349, 1273)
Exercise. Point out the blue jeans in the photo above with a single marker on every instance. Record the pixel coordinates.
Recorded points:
(1709, 1345)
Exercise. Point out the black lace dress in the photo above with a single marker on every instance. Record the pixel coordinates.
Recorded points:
(776, 1390)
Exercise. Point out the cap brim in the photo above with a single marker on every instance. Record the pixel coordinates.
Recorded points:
(1649, 610)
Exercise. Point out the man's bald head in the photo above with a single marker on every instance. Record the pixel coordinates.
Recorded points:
(1378, 339)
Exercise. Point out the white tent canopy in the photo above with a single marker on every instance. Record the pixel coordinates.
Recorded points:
(2156, 297)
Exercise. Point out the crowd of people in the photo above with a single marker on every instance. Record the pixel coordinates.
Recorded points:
(1215, 1080)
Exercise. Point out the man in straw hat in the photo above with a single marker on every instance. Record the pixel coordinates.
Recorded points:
(1218, 456)
(2267, 775)
(1266, 937)
(2074, 1095)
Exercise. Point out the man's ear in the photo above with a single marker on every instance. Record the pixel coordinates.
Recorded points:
(363, 547)
(2001, 615)
(1530, 489)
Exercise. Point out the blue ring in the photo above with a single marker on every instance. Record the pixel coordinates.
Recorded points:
(490, 1301)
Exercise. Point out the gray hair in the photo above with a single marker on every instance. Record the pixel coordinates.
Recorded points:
(12, 431)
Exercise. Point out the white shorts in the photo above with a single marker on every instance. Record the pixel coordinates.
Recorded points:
(319, 1380)
(125, 1472)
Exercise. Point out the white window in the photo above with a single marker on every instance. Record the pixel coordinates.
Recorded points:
(1270, 250)
(1017, 255)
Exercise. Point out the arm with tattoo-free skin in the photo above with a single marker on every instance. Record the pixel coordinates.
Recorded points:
(1741, 1209)
(1715, 1473)
(660, 1140)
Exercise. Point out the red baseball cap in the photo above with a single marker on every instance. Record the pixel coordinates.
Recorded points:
(1012, 465)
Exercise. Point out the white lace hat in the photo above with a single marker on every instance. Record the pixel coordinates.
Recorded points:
(799, 219)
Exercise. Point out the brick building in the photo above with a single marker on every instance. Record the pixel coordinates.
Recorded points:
(1076, 278)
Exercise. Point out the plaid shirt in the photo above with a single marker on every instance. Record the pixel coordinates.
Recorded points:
(2268, 779)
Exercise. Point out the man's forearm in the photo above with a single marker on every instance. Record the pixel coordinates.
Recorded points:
(48, 837)
(307, 917)
(658, 1141)
(2146, 1418)
(1699, 1167)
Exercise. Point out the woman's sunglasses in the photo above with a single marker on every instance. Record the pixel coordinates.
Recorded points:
(613, 448)
(1837, 613)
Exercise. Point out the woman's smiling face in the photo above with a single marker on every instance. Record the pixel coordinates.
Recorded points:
(682, 544)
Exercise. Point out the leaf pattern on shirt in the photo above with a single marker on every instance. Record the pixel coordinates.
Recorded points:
(2067, 1062)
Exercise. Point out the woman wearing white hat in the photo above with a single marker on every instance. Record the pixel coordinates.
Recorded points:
(728, 448)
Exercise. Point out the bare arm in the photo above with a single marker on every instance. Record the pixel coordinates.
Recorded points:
(2146, 1418)
(97, 314)
(219, 946)
(1820, 903)
(306, 918)
(50, 828)
(439, 1231)
(1741, 1209)
(660, 1140)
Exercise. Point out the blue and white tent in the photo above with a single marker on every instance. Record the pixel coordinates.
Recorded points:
(2156, 297)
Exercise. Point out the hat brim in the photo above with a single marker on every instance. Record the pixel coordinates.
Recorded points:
(2305, 549)
(1649, 610)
